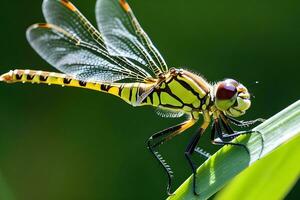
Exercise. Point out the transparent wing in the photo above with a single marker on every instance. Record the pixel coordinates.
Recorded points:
(73, 31)
(124, 36)
(64, 14)
(69, 54)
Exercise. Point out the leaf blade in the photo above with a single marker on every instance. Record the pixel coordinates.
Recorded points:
(277, 173)
(230, 161)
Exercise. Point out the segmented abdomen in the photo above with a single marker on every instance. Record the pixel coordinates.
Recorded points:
(129, 92)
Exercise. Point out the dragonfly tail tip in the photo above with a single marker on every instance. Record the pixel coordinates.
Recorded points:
(7, 77)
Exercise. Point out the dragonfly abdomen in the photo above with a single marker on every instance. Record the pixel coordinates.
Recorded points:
(129, 92)
(50, 78)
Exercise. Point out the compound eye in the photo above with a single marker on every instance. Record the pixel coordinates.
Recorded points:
(226, 91)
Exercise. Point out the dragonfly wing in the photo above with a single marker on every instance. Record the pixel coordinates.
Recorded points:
(64, 14)
(124, 36)
(69, 54)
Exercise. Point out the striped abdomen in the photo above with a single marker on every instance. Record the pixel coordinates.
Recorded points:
(129, 92)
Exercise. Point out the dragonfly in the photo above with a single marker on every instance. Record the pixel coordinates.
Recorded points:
(119, 58)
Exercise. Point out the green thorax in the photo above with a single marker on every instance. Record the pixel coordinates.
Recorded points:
(180, 90)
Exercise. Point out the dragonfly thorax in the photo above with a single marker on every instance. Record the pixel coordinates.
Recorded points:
(179, 89)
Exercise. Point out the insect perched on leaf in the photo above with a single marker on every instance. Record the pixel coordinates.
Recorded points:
(120, 59)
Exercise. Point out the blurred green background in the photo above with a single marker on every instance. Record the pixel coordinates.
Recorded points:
(74, 144)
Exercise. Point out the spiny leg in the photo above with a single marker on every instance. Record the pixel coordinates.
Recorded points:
(243, 123)
(161, 137)
(202, 152)
(192, 145)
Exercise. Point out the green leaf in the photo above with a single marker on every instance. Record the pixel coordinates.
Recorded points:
(270, 178)
(230, 161)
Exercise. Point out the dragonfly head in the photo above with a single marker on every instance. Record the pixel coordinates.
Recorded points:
(232, 97)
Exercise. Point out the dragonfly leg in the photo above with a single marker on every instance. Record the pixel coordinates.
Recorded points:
(202, 152)
(192, 146)
(160, 138)
(243, 123)
(230, 134)
(218, 136)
